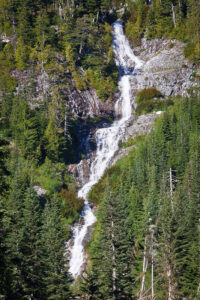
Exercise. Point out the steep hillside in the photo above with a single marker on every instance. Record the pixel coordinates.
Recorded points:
(148, 217)
(76, 95)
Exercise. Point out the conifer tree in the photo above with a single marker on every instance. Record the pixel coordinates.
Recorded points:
(114, 244)
(4, 276)
(3, 168)
(54, 270)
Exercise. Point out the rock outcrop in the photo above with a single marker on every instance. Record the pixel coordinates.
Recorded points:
(80, 104)
(86, 104)
(164, 68)
(136, 127)
(39, 191)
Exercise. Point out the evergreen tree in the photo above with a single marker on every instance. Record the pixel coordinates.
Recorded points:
(113, 248)
(3, 168)
(4, 274)
(29, 247)
(54, 271)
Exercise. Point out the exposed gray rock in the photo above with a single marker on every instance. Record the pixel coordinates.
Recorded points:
(40, 191)
(86, 104)
(5, 38)
(142, 126)
(34, 88)
(81, 104)
(80, 172)
(165, 68)
(42, 86)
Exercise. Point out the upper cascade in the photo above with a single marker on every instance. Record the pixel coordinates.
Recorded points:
(107, 140)
(125, 59)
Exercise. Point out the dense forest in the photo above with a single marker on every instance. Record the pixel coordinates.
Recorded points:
(146, 241)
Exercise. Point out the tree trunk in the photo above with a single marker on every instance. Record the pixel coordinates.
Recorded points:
(81, 47)
(170, 284)
(171, 189)
(114, 263)
(173, 15)
(179, 4)
(144, 268)
(152, 266)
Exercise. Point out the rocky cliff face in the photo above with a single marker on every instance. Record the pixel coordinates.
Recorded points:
(141, 125)
(86, 104)
(81, 104)
(165, 68)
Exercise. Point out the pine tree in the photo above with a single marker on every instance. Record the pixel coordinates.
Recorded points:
(167, 241)
(124, 242)
(113, 248)
(29, 247)
(25, 128)
(20, 181)
(3, 168)
(4, 274)
(103, 253)
(54, 270)
(187, 252)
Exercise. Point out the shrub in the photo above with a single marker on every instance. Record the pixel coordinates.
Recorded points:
(191, 51)
(147, 94)
(80, 82)
(71, 204)
(49, 176)
(111, 177)
(128, 143)
(132, 141)
(152, 105)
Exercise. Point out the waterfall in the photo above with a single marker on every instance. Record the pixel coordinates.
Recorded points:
(107, 140)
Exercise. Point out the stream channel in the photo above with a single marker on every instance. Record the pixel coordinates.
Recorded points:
(107, 141)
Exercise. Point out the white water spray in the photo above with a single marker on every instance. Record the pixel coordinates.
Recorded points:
(107, 140)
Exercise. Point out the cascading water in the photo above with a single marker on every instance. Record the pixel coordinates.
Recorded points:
(107, 140)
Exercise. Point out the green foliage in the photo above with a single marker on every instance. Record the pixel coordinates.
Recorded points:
(128, 143)
(152, 105)
(73, 39)
(136, 22)
(132, 141)
(25, 128)
(71, 205)
(171, 19)
(192, 51)
(147, 94)
(110, 274)
(49, 176)
(79, 81)
(148, 101)
(21, 55)
(56, 279)
(161, 217)
(4, 153)
(35, 264)
(54, 139)
(96, 194)
(7, 63)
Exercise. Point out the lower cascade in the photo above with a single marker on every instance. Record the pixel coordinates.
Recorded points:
(107, 140)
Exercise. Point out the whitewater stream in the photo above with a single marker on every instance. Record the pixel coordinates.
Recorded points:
(107, 140)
